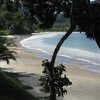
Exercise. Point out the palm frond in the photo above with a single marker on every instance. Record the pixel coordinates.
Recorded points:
(5, 53)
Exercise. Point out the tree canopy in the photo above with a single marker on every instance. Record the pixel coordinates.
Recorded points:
(86, 13)
(42, 11)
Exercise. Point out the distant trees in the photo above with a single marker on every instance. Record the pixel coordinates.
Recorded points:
(13, 19)
(13, 13)
(1, 2)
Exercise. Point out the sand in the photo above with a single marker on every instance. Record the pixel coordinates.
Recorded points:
(86, 85)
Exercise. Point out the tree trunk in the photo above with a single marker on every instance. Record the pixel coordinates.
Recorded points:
(71, 29)
(52, 86)
(53, 91)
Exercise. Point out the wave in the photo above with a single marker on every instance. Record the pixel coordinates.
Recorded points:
(36, 43)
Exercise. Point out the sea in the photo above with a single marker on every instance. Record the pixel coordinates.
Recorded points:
(76, 49)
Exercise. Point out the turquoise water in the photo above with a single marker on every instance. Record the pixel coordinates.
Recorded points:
(76, 47)
(76, 40)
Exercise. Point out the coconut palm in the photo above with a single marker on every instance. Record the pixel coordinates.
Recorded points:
(5, 53)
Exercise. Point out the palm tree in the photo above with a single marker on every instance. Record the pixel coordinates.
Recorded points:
(86, 17)
(82, 14)
(5, 53)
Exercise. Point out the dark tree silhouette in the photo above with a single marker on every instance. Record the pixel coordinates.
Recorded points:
(83, 14)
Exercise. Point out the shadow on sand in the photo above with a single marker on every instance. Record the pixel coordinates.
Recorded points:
(29, 81)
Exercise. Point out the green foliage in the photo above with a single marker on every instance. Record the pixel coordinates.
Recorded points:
(5, 42)
(20, 22)
(43, 12)
(87, 18)
(17, 22)
(5, 53)
(6, 19)
(59, 78)
(61, 25)
(1, 2)
(6, 32)
(19, 30)
(8, 4)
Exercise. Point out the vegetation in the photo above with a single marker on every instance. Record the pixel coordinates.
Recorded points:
(19, 22)
(60, 79)
(5, 32)
(5, 53)
(61, 25)
(12, 22)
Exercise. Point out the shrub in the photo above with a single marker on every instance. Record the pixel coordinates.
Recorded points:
(5, 32)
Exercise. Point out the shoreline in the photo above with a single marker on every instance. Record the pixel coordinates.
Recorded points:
(45, 53)
(86, 85)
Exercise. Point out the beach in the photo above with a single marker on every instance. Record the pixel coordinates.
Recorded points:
(85, 84)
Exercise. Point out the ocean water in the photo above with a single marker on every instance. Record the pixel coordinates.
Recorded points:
(76, 48)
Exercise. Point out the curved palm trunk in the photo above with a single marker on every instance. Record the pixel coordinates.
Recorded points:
(71, 29)
(75, 3)
(53, 92)
(60, 44)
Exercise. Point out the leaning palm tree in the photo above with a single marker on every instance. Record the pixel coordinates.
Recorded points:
(85, 16)
(82, 14)
(5, 53)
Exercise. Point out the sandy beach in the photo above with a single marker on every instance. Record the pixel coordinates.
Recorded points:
(86, 85)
